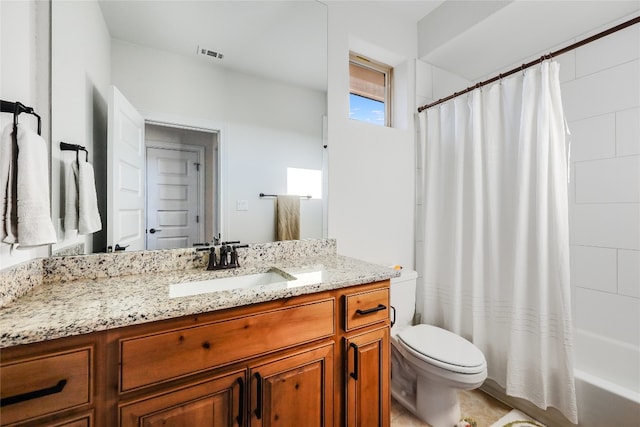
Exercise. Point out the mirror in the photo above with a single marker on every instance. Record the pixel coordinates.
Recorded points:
(241, 84)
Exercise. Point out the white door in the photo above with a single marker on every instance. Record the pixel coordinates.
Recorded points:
(125, 186)
(173, 203)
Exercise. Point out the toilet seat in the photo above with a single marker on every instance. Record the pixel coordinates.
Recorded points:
(442, 348)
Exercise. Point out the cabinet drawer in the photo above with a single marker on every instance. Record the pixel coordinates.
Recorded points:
(366, 308)
(155, 358)
(44, 385)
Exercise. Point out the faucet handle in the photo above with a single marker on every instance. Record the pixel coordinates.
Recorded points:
(212, 258)
(234, 257)
(224, 251)
(233, 242)
(234, 254)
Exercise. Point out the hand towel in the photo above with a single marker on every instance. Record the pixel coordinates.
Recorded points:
(287, 217)
(71, 196)
(81, 203)
(34, 213)
(8, 196)
(88, 214)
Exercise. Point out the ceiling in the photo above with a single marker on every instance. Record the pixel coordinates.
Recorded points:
(487, 37)
(411, 11)
(255, 37)
(471, 38)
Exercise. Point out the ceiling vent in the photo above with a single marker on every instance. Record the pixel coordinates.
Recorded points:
(210, 53)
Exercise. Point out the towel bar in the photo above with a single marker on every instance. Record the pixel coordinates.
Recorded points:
(275, 195)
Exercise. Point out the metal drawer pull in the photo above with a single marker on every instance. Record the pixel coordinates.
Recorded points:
(393, 321)
(354, 374)
(239, 418)
(11, 400)
(380, 307)
(258, 410)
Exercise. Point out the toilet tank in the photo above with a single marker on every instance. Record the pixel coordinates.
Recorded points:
(403, 297)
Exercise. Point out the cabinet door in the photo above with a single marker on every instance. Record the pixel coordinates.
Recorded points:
(294, 391)
(85, 420)
(217, 402)
(368, 378)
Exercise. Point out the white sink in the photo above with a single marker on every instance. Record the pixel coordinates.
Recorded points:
(225, 284)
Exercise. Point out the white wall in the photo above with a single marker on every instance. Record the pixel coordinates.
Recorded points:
(81, 73)
(24, 77)
(601, 95)
(371, 168)
(262, 124)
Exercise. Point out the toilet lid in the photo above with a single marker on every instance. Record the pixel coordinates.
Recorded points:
(441, 345)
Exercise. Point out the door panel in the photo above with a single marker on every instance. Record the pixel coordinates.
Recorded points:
(125, 186)
(173, 198)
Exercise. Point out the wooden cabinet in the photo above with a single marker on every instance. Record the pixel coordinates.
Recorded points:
(295, 388)
(215, 402)
(368, 376)
(366, 308)
(366, 351)
(314, 360)
(222, 341)
(46, 385)
(85, 420)
(294, 391)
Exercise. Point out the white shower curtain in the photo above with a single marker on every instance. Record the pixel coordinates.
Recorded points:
(496, 232)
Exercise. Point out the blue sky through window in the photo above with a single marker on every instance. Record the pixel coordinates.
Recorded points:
(366, 110)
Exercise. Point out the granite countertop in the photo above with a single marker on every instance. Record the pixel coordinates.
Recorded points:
(60, 309)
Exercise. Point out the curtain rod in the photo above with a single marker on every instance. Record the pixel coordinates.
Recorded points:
(576, 45)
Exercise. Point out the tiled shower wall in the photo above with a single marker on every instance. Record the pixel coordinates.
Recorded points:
(601, 95)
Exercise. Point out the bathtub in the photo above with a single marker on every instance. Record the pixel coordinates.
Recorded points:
(607, 378)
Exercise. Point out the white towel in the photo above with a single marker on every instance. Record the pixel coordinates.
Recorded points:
(34, 212)
(81, 202)
(71, 196)
(88, 214)
(8, 209)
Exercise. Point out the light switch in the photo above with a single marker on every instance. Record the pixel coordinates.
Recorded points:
(242, 205)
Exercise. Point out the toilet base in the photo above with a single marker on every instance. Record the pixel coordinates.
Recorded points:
(437, 404)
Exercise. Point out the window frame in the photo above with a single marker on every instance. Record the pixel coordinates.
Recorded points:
(387, 70)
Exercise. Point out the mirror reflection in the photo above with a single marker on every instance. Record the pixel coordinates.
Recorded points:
(189, 110)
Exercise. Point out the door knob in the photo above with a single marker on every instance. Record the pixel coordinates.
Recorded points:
(154, 230)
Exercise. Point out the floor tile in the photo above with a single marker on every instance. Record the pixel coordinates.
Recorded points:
(484, 409)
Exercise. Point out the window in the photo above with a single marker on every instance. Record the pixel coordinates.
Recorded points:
(369, 90)
(304, 182)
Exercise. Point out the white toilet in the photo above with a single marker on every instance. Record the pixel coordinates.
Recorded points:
(429, 364)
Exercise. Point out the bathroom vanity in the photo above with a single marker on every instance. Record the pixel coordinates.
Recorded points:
(312, 351)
